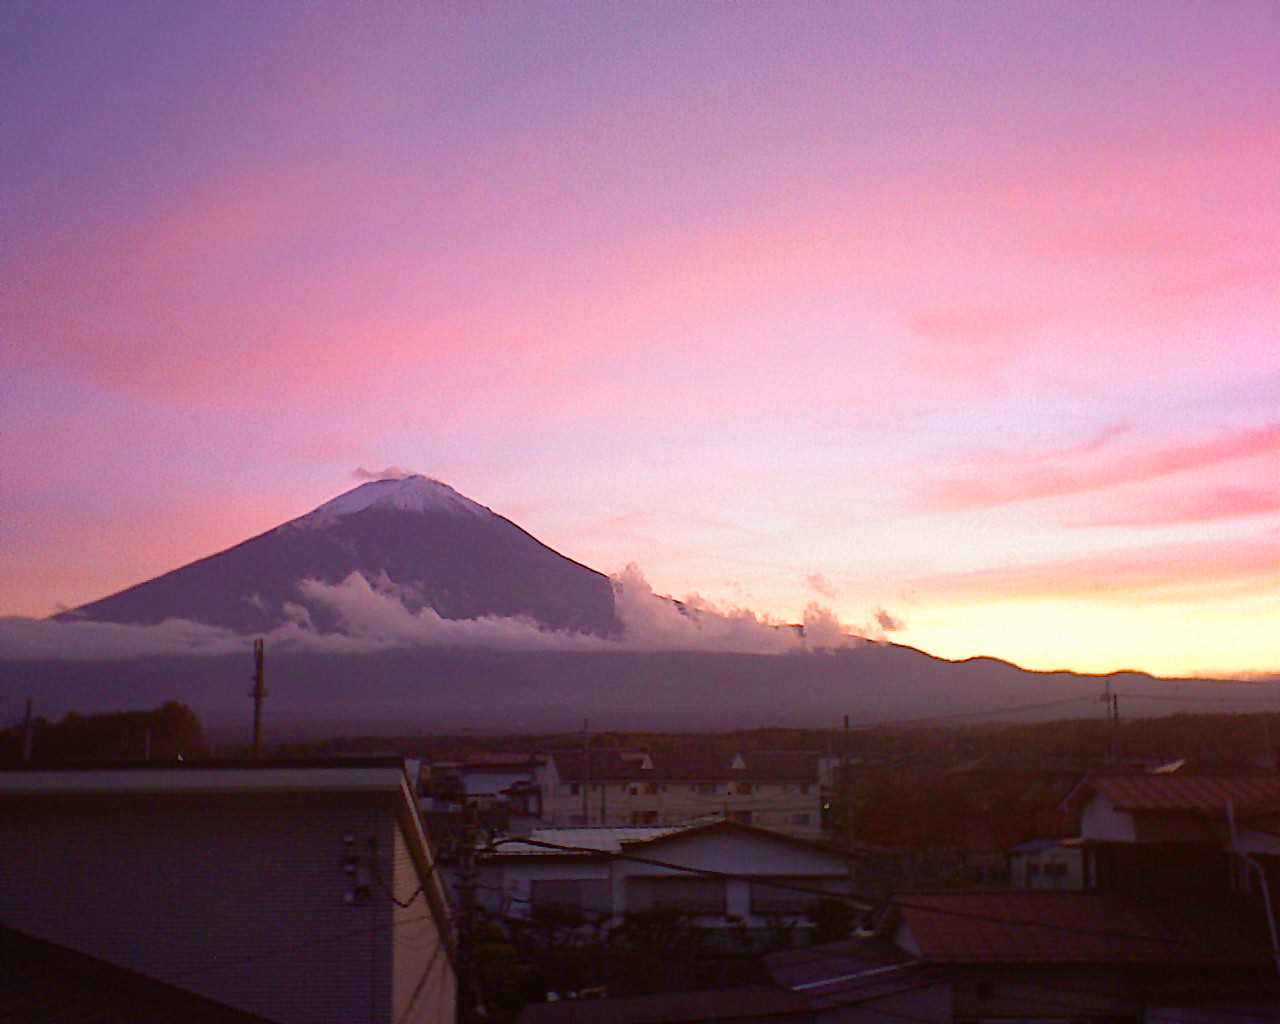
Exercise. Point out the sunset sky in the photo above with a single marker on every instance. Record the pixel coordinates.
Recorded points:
(962, 320)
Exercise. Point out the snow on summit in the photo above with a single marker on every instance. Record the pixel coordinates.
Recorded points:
(412, 493)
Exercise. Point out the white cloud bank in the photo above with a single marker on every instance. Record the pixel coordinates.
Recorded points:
(373, 616)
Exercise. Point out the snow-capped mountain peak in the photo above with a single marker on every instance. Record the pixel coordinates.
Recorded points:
(412, 493)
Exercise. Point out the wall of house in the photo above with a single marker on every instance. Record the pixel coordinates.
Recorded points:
(423, 984)
(1101, 822)
(790, 807)
(508, 883)
(1053, 867)
(242, 898)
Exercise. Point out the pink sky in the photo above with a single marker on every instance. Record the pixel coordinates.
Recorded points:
(966, 315)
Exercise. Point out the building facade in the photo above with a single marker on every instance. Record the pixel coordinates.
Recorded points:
(776, 790)
(301, 893)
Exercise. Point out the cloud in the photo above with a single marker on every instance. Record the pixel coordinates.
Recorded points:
(1200, 570)
(998, 483)
(1202, 507)
(889, 623)
(390, 473)
(380, 616)
(820, 585)
(373, 615)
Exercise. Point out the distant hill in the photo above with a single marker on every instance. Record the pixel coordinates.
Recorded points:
(421, 547)
(429, 690)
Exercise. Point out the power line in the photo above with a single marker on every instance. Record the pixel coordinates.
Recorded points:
(855, 898)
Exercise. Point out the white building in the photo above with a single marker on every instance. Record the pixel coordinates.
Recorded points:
(722, 873)
(779, 790)
(299, 892)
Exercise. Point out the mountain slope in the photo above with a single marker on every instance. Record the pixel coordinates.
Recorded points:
(434, 546)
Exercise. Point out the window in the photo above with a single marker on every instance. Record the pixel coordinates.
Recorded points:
(651, 788)
(787, 895)
(580, 895)
(804, 789)
(574, 789)
(798, 819)
(707, 788)
(742, 788)
(693, 895)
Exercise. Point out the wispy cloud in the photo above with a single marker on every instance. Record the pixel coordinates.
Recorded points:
(998, 483)
(820, 585)
(1198, 570)
(390, 473)
(1199, 507)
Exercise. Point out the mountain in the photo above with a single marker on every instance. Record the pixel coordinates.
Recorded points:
(418, 537)
(426, 545)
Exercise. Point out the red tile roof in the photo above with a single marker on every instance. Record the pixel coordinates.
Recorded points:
(1195, 793)
(1027, 926)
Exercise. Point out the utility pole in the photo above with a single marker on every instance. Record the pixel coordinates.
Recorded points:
(467, 988)
(847, 786)
(1112, 702)
(586, 774)
(257, 693)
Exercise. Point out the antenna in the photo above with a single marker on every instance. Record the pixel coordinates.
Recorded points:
(258, 693)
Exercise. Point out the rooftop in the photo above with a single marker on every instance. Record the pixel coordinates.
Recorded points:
(377, 774)
(724, 1004)
(42, 981)
(1028, 926)
(1189, 793)
(601, 840)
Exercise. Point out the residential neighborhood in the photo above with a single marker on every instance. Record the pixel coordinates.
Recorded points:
(472, 885)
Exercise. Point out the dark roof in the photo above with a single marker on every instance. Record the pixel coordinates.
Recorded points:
(41, 981)
(1192, 793)
(754, 1002)
(210, 763)
(837, 973)
(766, 766)
(1028, 926)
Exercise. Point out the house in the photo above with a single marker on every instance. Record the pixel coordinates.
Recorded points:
(1047, 864)
(294, 891)
(484, 781)
(722, 873)
(1160, 833)
(780, 790)
(1084, 956)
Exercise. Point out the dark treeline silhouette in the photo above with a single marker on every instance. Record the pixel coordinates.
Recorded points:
(161, 734)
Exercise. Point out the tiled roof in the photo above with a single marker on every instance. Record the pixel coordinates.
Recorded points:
(601, 840)
(768, 766)
(1177, 792)
(1026, 926)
